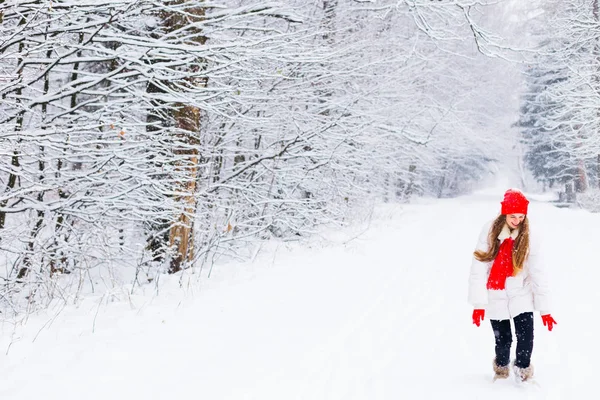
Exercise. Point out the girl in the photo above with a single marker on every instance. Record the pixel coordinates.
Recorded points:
(508, 282)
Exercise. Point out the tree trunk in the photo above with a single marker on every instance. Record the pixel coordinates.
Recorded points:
(40, 197)
(412, 169)
(59, 260)
(187, 121)
(581, 184)
(12, 178)
(329, 9)
(181, 232)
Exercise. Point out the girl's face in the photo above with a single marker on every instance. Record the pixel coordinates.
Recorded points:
(514, 220)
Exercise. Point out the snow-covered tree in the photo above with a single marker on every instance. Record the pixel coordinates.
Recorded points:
(142, 137)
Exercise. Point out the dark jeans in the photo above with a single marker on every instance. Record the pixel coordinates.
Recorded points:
(524, 331)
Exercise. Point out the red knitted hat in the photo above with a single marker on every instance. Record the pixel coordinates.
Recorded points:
(514, 202)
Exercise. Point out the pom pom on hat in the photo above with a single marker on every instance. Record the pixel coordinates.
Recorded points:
(514, 202)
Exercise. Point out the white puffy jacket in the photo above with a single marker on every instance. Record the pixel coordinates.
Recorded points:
(526, 292)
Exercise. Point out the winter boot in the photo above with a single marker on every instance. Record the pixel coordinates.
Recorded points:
(523, 374)
(500, 372)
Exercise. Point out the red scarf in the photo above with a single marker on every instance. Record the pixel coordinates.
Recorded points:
(502, 267)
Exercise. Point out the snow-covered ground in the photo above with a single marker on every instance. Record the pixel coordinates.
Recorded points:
(378, 312)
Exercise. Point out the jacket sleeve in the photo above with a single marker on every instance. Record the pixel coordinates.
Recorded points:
(478, 294)
(539, 279)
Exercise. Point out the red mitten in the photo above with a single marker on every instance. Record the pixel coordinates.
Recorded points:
(549, 321)
(478, 316)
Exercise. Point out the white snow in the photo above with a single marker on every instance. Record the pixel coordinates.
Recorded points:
(378, 312)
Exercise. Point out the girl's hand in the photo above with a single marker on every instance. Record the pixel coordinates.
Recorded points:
(549, 321)
(478, 315)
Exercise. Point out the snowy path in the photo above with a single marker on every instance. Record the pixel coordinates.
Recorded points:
(382, 317)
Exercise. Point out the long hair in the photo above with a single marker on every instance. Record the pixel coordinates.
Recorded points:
(520, 249)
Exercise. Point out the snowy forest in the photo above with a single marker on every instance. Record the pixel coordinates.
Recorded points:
(142, 137)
